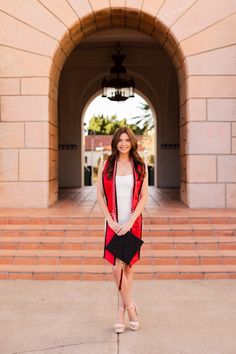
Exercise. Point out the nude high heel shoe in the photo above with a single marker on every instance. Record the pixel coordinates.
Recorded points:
(120, 327)
(134, 325)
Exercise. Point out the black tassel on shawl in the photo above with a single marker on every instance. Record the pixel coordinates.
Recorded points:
(121, 275)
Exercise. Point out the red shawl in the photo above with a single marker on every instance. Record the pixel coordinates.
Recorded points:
(109, 186)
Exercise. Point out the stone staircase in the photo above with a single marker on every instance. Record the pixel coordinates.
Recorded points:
(59, 248)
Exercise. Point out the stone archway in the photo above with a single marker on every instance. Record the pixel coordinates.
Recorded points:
(146, 25)
(154, 75)
(194, 37)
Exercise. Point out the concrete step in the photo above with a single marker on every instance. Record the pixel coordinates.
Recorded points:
(104, 272)
(83, 243)
(92, 230)
(153, 242)
(89, 220)
(72, 248)
(148, 257)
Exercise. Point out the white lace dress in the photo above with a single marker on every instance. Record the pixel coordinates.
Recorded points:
(124, 188)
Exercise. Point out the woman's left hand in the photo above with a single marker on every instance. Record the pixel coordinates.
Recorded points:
(125, 227)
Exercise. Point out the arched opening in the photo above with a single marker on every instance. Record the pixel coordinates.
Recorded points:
(92, 56)
(101, 116)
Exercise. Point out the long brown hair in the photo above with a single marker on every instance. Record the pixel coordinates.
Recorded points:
(139, 164)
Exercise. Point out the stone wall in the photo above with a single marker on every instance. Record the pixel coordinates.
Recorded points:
(38, 36)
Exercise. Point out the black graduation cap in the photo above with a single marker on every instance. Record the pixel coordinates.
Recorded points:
(124, 247)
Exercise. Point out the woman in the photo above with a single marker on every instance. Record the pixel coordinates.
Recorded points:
(123, 180)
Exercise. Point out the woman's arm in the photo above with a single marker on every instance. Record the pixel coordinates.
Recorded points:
(142, 201)
(139, 208)
(101, 201)
(100, 193)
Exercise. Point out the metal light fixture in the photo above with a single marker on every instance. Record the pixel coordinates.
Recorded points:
(118, 87)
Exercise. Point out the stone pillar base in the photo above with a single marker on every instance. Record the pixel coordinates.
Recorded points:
(28, 194)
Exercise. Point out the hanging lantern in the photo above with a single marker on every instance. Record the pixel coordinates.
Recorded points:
(118, 87)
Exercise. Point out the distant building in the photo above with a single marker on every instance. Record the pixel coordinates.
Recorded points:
(100, 145)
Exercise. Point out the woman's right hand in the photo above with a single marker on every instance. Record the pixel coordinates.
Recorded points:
(115, 226)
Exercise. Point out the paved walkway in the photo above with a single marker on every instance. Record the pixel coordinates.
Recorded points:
(74, 202)
(177, 317)
(82, 202)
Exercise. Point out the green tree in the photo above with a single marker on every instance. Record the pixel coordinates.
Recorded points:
(101, 125)
(96, 124)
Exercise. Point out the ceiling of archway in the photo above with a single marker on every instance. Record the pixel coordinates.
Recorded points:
(140, 50)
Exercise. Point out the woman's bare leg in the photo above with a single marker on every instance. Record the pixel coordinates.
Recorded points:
(129, 275)
(129, 271)
(124, 293)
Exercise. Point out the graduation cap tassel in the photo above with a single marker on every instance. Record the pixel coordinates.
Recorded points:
(121, 274)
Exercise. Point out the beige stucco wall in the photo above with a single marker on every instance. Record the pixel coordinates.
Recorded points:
(36, 38)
